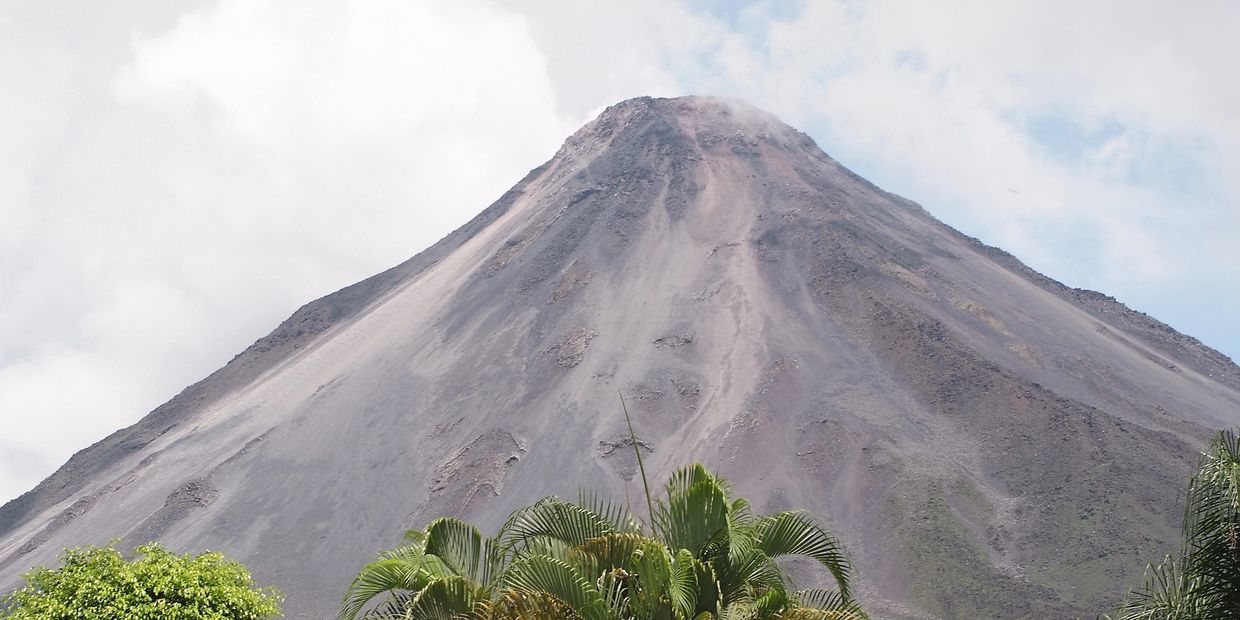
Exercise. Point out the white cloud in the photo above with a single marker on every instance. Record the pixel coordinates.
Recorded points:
(244, 159)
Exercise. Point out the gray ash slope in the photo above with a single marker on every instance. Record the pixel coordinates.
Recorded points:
(988, 442)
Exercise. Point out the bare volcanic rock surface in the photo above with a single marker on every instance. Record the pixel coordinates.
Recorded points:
(988, 442)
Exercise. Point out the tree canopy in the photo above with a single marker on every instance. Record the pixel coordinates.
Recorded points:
(99, 583)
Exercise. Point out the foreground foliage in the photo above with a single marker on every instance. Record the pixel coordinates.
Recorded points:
(98, 583)
(703, 556)
(1204, 581)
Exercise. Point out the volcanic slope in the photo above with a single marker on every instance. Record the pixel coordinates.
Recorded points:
(988, 442)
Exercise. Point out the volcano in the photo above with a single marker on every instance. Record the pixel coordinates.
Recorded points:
(987, 442)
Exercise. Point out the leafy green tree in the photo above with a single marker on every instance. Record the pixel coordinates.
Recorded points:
(703, 556)
(1204, 580)
(98, 583)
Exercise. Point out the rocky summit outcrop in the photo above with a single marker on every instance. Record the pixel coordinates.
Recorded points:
(989, 443)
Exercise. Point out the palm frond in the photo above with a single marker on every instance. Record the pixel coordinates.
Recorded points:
(449, 598)
(615, 585)
(803, 613)
(614, 513)
(1204, 580)
(831, 602)
(695, 512)
(771, 600)
(740, 610)
(393, 608)
(407, 553)
(743, 578)
(553, 518)
(556, 578)
(651, 567)
(611, 552)
(1167, 595)
(513, 604)
(1212, 527)
(463, 548)
(682, 587)
(710, 593)
(742, 533)
(795, 533)
(384, 576)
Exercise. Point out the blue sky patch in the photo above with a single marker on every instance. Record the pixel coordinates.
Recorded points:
(1066, 139)
(731, 11)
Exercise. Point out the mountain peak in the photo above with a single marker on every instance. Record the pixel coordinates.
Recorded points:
(696, 122)
(698, 108)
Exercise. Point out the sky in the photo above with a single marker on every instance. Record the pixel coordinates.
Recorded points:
(178, 176)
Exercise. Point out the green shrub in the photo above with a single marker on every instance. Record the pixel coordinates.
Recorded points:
(98, 583)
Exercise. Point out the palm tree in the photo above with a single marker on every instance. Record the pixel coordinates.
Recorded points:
(1204, 580)
(443, 570)
(703, 556)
